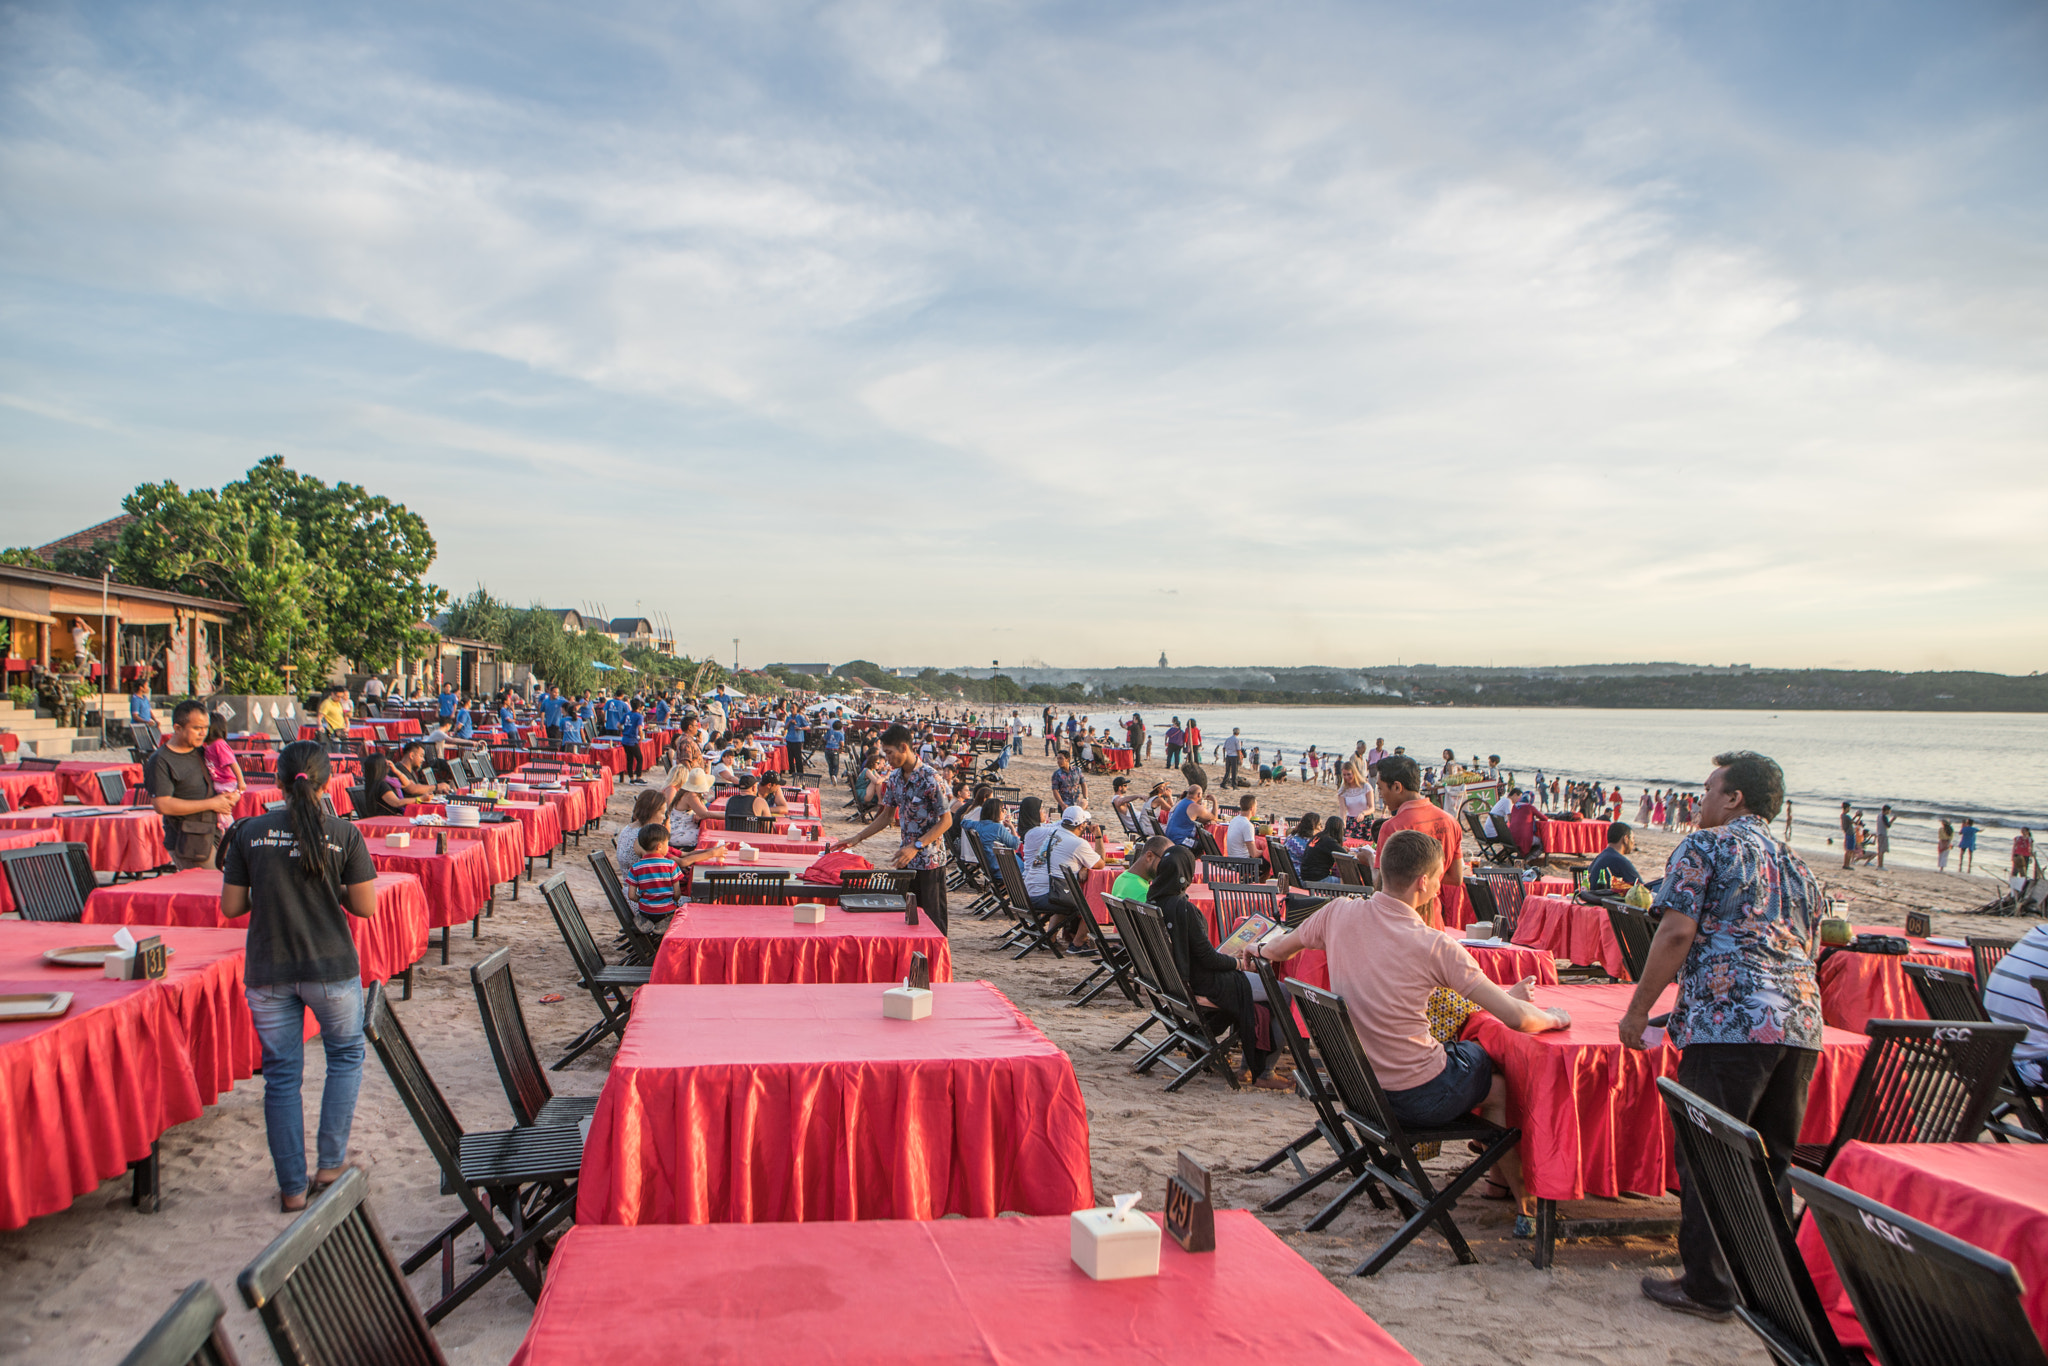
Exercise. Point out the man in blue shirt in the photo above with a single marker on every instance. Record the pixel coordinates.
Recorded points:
(583, 708)
(661, 711)
(447, 702)
(505, 722)
(1190, 811)
(138, 704)
(834, 739)
(1614, 862)
(462, 727)
(629, 740)
(1740, 915)
(615, 710)
(551, 712)
(793, 742)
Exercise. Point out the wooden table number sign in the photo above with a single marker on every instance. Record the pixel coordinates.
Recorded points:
(1190, 1213)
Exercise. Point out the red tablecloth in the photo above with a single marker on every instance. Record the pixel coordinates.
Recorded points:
(1506, 964)
(745, 1104)
(1099, 880)
(21, 839)
(570, 806)
(1573, 837)
(259, 794)
(393, 726)
(959, 1290)
(84, 1095)
(764, 944)
(503, 841)
(33, 789)
(457, 883)
(539, 822)
(387, 943)
(1571, 929)
(803, 804)
(1591, 1116)
(126, 841)
(766, 843)
(1118, 760)
(77, 776)
(1990, 1195)
(1856, 988)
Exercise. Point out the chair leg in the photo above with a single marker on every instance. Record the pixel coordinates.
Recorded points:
(444, 945)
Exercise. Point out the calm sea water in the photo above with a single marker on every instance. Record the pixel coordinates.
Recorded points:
(1991, 767)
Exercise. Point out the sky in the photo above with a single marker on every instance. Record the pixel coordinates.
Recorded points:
(940, 334)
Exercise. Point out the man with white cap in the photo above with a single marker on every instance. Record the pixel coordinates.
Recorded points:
(1076, 842)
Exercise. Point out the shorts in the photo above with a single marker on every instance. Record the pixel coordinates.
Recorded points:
(1456, 1092)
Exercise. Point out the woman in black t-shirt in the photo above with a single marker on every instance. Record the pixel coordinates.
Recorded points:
(292, 872)
(1319, 860)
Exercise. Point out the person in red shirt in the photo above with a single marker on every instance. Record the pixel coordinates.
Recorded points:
(1400, 784)
(1615, 801)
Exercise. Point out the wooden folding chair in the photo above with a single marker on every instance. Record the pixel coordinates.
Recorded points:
(1191, 1032)
(1389, 1157)
(1632, 932)
(1924, 1297)
(43, 883)
(1142, 976)
(1921, 1081)
(1308, 1081)
(637, 944)
(1112, 964)
(1985, 954)
(610, 988)
(1946, 994)
(189, 1333)
(1033, 929)
(1217, 871)
(1236, 902)
(527, 1088)
(1351, 870)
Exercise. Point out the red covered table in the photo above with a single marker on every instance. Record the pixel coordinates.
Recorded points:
(540, 824)
(1592, 1119)
(391, 727)
(259, 793)
(1505, 964)
(1991, 1195)
(1118, 760)
(85, 1095)
(457, 884)
(1856, 988)
(503, 841)
(120, 840)
(1573, 837)
(1566, 928)
(747, 1104)
(764, 944)
(41, 788)
(77, 776)
(387, 943)
(765, 842)
(959, 1291)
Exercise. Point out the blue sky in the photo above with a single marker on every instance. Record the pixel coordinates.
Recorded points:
(1284, 333)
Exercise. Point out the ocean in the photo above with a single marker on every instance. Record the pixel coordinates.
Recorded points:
(1992, 767)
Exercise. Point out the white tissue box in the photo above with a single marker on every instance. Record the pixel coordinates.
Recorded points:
(398, 839)
(906, 1003)
(1113, 1247)
(119, 966)
(809, 913)
(1479, 929)
(747, 853)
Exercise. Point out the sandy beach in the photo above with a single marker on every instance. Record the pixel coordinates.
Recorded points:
(80, 1285)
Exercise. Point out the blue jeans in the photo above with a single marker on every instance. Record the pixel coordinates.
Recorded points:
(280, 1011)
(1456, 1091)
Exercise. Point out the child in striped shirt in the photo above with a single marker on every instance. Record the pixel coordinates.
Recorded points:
(652, 881)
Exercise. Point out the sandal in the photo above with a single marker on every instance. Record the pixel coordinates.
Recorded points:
(1492, 1188)
(285, 1205)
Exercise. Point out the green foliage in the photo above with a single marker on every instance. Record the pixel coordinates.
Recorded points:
(479, 617)
(87, 563)
(22, 696)
(23, 557)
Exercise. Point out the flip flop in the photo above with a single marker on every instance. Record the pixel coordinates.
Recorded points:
(553, 998)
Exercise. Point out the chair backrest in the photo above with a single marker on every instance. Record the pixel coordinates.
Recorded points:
(749, 825)
(1234, 902)
(189, 1333)
(1205, 843)
(113, 786)
(1925, 1298)
(287, 730)
(1926, 1081)
(143, 735)
(41, 881)
(331, 1293)
(430, 1111)
(1351, 1074)
(1632, 932)
(31, 763)
(1945, 993)
(1221, 870)
(1727, 1166)
(642, 946)
(878, 880)
(1307, 1075)
(1485, 905)
(5, 805)
(1013, 881)
(1128, 821)
(1283, 861)
(479, 767)
(1148, 923)
(726, 886)
(1350, 869)
(1984, 955)
(574, 930)
(1302, 905)
(497, 1000)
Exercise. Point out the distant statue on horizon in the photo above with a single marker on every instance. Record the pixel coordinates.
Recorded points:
(1162, 659)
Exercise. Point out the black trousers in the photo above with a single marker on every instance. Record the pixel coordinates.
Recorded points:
(635, 766)
(1764, 1086)
(795, 752)
(1232, 993)
(1230, 763)
(930, 890)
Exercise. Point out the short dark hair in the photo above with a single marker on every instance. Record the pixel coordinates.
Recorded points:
(652, 836)
(1247, 802)
(1401, 771)
(410, 745)
(897, 734)
(771, 779)
(185, 709)
(1617, 831)
(1758, 778)
(1408, 854)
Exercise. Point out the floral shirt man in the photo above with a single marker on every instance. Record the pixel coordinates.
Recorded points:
(920, 800)
(1066, 785)
(1749, 976)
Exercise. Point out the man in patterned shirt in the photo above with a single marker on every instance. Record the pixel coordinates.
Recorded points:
(916, 798)
(1740, 912)
(1069, 788)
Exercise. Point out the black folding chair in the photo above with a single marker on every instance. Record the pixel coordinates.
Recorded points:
(729, 887)
(1946, 994)
(1033, 929)
(1486, 906)
(43, 883)
(1236, 902)
(1632, 932)
(189, 1333)
(287, 730)
(1141, 974)
(1727, 1166)
(1216, 871)
(1308, 1080)
(638, 945)
(1351, 870)
(525, 1177)
(988, 899)
(1389, 1158)
(1285, 870)
(144, 736)
(1922, 1081)
(1301, 905)
(1984, 956)
(330, 1292)
(1128, 821)
(31, 763)
(113, 787)
(533, 1099)
(611, 988)
(1205, 843)
(1112, 964)
(1925, 1298)
(1193, 1029)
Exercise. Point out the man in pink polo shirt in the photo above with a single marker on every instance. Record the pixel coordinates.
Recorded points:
(1385, 961)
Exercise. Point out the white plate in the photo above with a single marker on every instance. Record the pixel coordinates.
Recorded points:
(87, 955)
(37, 1005)
(1946, 942)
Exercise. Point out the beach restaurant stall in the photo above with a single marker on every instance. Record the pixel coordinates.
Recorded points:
(112, 633)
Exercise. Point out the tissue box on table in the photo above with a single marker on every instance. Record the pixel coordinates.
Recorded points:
(1115, 1244)
(399, 839)
(809, 913)
(906, 1003)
